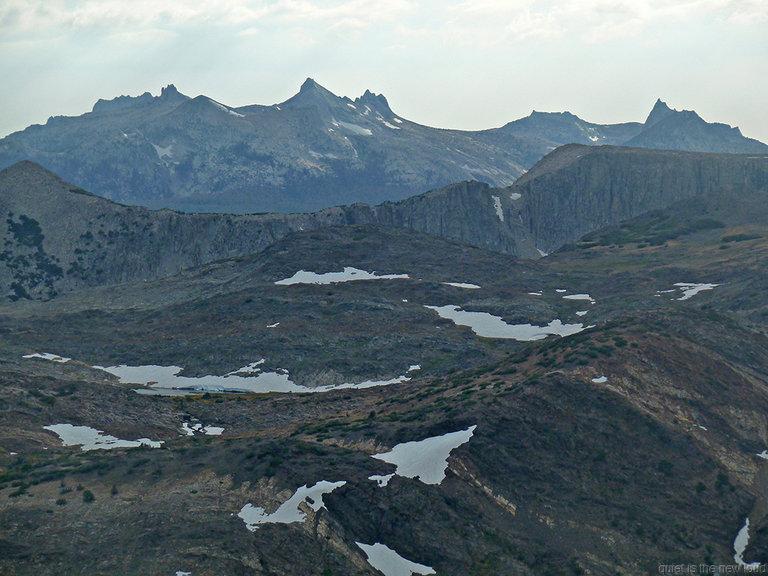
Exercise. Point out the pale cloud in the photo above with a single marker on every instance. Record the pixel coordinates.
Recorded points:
(25, 16)
(594, 21)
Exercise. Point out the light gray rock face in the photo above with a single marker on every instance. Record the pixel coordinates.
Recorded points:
(579, 189)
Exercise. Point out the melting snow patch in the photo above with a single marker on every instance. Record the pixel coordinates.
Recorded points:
(290, 511)
(515, 196)
(561, 290)
(580, 297)
(164, 380)
(489, 326)
(740, 545)
(180, 573)
(414, 367)
(600, 380)
(535, 293)
(397, 120)
(426, 459)
(497, 207)
(163, 152)
(689, 289)
(763, 455)
(355, 129)
(207, 430)
(225, 109)
(91, 439)
(381, 480)
(48, 356)
(390, 563)
(542, 253)
(275, 325)
(462, 285)
(581, 312)
(348, 275)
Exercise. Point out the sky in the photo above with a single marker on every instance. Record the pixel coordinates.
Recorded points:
(467, 64)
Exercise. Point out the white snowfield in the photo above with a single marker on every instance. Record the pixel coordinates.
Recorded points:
(497, 207)
(207, 430)
(91, 439)
(291, 510)
(390, 563)
(740, 545)
(489, 326)
(690, 289)
(586, 297)
(425, 459)
(48, 356)
(465, 285)
(349, 274)
(164, 380)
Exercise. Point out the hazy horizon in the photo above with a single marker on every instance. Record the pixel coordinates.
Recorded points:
(463, 65)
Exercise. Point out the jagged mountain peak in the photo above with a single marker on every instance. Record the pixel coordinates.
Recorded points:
(375, 101)
(659, 111)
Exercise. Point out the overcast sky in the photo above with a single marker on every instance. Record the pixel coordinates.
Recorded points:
(467, 64)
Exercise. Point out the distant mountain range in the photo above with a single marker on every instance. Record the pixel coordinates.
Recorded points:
(314, 150)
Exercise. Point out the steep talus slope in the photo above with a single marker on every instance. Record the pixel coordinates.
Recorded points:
(578, 189)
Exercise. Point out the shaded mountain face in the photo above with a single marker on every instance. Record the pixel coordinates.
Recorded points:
(57, 237)
(627, 445)
(312, 151)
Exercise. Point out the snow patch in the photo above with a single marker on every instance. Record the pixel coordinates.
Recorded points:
(586, 297)
(207, 430)
(489, 326)
(48, 356)
(426, 459)
(388, 125)
(355, 129)
(497, 207)
(690, 289)
(163, 152)
(290, 511)
(462, 285)
(381, 480)
(390, 563)
(223, 108)
(349, 274)
(740, 545)
(515, 196)
(91, 439)
(542, 253)
(397, 120)
(165, 381)
(582, 312)
(275, 325)
(600, 380)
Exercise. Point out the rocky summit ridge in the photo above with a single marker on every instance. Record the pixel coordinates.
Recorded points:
(312, 151)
